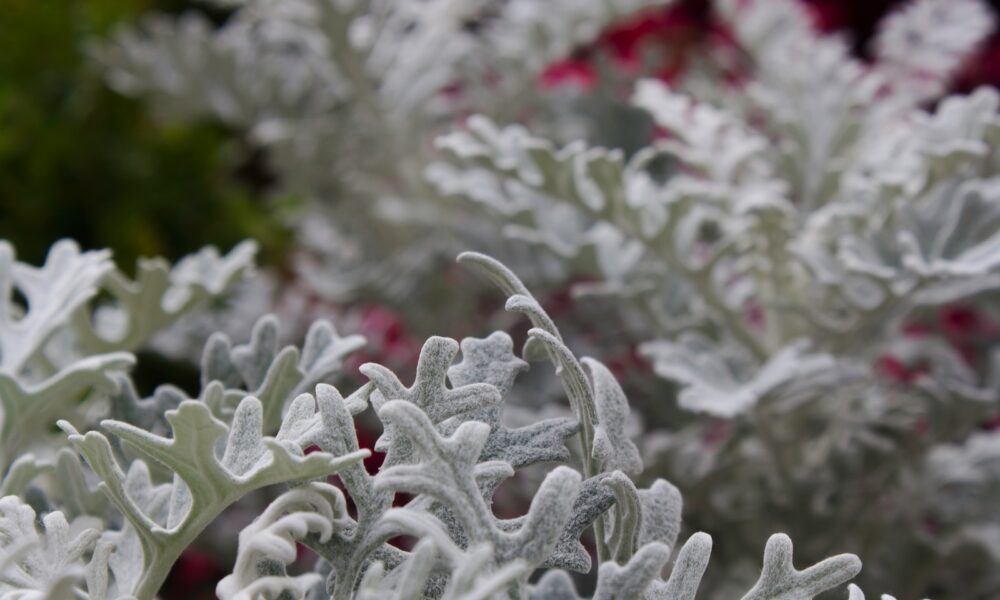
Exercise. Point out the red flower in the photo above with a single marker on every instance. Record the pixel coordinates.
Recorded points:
(669, 31)
(628, 361)
(893, 368)
(753, 314)
(961, 321)
(717, 432)
(193, 570)
(569, 72)
(993, 423)
(304, 554)
(917, 329)
(389, 342)
(981, 69)
(626, 40)
(559, 302)
(366, 439)
(829, 15)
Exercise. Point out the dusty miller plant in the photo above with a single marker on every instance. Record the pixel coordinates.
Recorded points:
(168, 465)
(777, 239)
(767, 250)
(69, 327)
(345, 97)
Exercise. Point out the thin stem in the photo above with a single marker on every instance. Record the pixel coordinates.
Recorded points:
(590, 469)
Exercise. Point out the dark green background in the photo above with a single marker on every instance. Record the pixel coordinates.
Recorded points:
(78, 160)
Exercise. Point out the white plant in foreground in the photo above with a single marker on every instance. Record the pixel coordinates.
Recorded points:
(445, 446)
(68, 327)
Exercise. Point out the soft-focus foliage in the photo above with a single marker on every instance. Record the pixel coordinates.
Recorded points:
(79, 160)
(66, 330)
(345, 97)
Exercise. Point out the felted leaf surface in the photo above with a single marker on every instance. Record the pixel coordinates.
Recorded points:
(491, 360)
(444, 471)
(68, 279)
(312, 508)
(429, 391)
(612, 445)
(779, 580)
(274, 375)
(205, 483)
(30, 408)
(158, 296)
(40, 564)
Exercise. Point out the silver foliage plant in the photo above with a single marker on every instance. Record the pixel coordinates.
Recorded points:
(770, 248)
(766, 251)
(345, 96)
(169, 465)
(69, 327)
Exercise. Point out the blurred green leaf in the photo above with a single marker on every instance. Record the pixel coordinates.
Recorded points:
(77, 160)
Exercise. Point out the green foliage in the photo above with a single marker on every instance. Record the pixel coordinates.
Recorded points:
(79, 161)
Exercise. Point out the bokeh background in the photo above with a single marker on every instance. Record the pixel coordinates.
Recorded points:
(78, 160)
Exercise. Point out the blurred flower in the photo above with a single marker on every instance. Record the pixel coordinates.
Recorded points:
(194, 571)
(893, 368)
